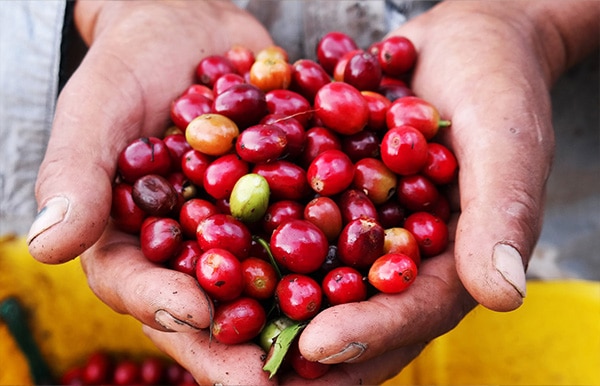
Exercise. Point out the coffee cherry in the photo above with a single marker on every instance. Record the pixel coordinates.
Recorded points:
(245, 104)
(187, 107)
(430, 231)
(299, 246)
(290, 104)
(187, 258)
(397, 55)
(212, 134)
(222, 174)
(392, 273)
(260, 278)
(225, 232)
(441, 166)
(344, 285)
(299, 296)
(325, 213)
(160, 238)
(363, 71)
(147, 155)
(241, 57)
(249, 198)
(375, 179)
(219, 273)
(308, 77)
(331, 47)
(330, 173)
(261, 143)
(126, 214)
(342, 108)
(286, 180)
(280, 212)
(271, 74)
(154, 195)
(404, 150)
(415, 112)
(361, 242)
(238, 321)
(211, 68)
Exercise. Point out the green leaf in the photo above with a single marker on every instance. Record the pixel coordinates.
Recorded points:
(280, 347)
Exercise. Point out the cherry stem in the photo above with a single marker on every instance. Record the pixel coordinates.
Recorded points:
(267, 248)
(444, 123)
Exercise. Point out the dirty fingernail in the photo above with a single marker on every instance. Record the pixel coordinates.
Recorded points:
(51, 214)
(171, 323)
(507, 260)
(350, 353)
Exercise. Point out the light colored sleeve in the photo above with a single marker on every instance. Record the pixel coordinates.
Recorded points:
(30, 40)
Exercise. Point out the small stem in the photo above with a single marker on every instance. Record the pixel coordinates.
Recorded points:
(444, 123)
(267, 248)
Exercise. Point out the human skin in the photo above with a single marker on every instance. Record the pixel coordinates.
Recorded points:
(488, 66)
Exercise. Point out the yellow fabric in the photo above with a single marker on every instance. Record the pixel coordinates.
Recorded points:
(67, 320)
(553, 339)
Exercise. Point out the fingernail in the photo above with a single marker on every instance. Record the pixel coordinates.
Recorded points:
(171, 323)
(51, 214)
(507, 260)
(349, 354)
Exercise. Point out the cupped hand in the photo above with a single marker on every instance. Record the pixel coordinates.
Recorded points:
(141, 56)
(485, 69)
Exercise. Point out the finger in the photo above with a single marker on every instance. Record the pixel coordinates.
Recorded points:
(372, 372)
(120, 275)
(502, 136)
(213, 363)
(353, 332)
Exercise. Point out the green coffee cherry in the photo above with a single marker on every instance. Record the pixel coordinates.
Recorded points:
(272, 330)
(249, 198)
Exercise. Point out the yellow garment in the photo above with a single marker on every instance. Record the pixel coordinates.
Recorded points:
(67, 320)
(553, 339)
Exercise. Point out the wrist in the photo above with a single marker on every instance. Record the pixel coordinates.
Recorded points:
(559, 33)
(566, 32)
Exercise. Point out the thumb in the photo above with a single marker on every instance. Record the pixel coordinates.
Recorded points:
(100, 110)
(74, 184)
(505, 153)
(493, 89)
(502, 196)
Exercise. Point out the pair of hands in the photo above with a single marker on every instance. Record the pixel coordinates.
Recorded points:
(482, 64)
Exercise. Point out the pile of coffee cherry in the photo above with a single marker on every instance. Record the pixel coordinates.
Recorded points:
(112, 368)
(285, 188)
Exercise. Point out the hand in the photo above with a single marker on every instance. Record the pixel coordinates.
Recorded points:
(488, 66)
(141, 57)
